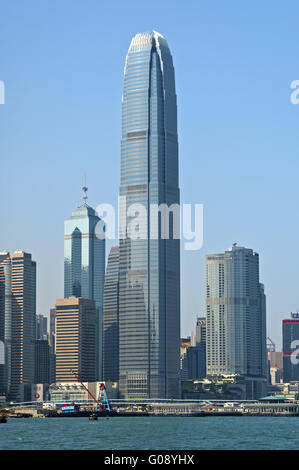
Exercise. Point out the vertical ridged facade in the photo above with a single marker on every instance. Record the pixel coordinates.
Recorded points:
(76, 339)
(149, 299)
(236, 315)
(18, 320)
(111, 318)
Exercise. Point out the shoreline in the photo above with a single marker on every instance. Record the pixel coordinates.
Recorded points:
(86, 414)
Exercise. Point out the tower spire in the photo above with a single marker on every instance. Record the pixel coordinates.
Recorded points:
(85, 189)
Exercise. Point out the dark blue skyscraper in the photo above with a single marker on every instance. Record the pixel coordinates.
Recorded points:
(290, 343)
(149, 302)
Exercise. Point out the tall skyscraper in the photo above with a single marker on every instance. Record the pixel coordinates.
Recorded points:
(52, 331)
(236, 317)
(42, 362)
(290, 344)
(76, 325)
(41, 326)
(18, 321)
(193, 353)
(149, 309)
(274, 363)
(185, 344)
(201, 330)
(84, 263)
(52, 336)
(111, 318)
(201, 343)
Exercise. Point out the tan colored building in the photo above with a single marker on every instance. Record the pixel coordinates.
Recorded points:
(76, 324)
(276, 359)
(274, 367)
(18, 322)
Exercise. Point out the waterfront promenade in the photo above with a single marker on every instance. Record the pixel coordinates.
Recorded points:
(161, 408)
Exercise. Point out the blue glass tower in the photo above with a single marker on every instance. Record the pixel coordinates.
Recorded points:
(84, 263)
(149, 273)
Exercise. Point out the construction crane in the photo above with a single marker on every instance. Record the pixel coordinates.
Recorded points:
(270, 345)
(102, 401)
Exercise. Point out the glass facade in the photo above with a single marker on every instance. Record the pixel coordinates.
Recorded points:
(84, 264)
(149, 299)
(111, 314)
(290, 342)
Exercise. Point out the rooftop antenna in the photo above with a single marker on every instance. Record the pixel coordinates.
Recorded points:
(85, 189)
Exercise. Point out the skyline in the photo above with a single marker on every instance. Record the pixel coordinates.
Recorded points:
(68, 137)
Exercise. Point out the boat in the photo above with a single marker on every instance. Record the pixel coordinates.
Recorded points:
(93, 417)
(70, 408)
(3, 419)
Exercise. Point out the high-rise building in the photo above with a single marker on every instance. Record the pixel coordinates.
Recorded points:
(18, 321)
(42, 362)
(290, 344)
(185, 344)
(149, 285)
(236, 317)
(193, 353)
(52, 329)
(199, 354)
(275, 366)
(52, 335)
(76, 326)
(201, 330)
(111, 318)
(84, 263)
(41, 326)
(195, 363)
(5, 323)
(259, 349)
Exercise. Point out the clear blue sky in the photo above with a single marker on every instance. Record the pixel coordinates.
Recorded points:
(62, 63)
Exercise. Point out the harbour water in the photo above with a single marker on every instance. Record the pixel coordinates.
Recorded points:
(161, 433)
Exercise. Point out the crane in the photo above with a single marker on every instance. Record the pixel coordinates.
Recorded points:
(102, 401)
(270, 345)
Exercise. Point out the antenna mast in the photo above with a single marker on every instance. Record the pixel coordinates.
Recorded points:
(85, 189)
